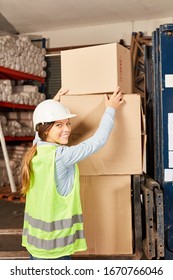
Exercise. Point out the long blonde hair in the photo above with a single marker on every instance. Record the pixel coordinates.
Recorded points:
(26, 170)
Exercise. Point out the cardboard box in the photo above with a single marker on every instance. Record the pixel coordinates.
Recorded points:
(96, 69)
(122, 154)
(106, 203)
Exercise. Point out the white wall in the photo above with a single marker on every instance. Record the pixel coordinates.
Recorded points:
(100, 33)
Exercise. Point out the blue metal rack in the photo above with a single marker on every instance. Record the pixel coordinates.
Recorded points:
(162, 53)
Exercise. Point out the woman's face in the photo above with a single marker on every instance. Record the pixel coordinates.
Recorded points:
(59, 132)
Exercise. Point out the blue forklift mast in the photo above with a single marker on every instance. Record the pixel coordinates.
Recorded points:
(162, 54)
(157, 102)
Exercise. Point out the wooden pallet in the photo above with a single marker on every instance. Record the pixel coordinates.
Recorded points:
(6, 194)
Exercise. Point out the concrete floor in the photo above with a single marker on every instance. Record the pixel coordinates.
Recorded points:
(11, 217)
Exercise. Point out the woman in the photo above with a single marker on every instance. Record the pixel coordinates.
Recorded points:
(53, 224)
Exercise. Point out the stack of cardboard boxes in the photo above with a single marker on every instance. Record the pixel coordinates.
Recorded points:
(105, 177)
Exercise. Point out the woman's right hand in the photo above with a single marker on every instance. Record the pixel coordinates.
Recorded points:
(60, 93)
(114, 100)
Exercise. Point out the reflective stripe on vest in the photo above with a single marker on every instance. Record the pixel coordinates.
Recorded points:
(55, 225)
(53, 243)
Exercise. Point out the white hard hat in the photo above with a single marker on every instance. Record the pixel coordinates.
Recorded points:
(50, 110)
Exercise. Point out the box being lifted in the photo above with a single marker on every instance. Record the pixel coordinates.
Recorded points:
(122, 154)
(96, 69)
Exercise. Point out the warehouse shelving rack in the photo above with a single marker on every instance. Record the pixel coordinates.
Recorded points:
(7, 198)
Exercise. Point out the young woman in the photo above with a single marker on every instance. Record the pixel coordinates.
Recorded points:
(53, 223)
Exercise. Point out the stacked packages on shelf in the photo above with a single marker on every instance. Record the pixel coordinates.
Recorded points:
(17, 52)
(16, 153)
(20, 94)
(19, 123)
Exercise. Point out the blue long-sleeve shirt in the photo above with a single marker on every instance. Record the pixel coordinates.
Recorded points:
(66, 157)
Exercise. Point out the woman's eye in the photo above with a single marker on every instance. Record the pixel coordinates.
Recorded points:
(58, 124)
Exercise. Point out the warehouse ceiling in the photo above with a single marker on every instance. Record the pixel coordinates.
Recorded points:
(27, 16)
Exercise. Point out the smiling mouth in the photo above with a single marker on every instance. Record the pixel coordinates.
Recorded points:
(64, 136)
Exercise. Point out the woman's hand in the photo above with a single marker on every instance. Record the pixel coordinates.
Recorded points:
(114, 100)
(59, 93)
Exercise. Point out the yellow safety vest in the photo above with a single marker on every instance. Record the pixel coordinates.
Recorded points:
(53, 224)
